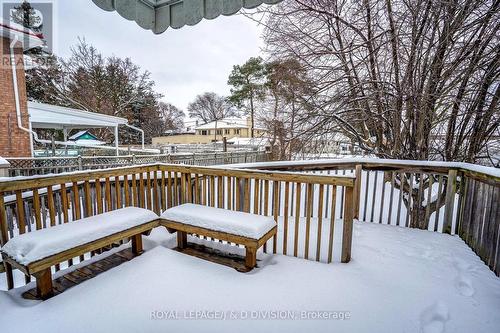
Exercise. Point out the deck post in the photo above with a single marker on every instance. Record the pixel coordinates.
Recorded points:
(451, 189)
(357, 189)
(44, 284)
(137, 244)
(347, 228)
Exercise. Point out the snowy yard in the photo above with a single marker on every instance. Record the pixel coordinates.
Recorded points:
(399, 280)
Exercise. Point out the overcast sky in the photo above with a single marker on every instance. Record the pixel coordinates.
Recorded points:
(184, 62)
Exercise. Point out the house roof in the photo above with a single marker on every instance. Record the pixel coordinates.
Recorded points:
(58, 117)
(158, 15)
(80, 133)
(224, 123)
(26, 37)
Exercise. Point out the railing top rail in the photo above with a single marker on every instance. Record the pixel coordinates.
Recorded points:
(478, 171)
(38, 181)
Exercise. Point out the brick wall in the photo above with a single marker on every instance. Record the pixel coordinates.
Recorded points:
(13, 141)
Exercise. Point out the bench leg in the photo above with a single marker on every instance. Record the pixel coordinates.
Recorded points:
(137, 244)
(44, 284)
(9, 275)
(251, 257)
(181, 239)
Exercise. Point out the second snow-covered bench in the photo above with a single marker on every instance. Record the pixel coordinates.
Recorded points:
(34, 253)
(246, 229)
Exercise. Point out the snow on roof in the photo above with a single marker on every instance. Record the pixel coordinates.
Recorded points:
(58, 117)
(226, 123)
(27, 37)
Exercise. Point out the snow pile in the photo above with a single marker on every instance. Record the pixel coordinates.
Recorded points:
(217, 219)
(400, 280)
(40, 244)
(3, 162)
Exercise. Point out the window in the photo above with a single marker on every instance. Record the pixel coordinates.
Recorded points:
(226, 131)
(219, 132)
(236, 131)
(204, 132)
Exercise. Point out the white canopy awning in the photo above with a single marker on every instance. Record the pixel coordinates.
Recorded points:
(57, 117)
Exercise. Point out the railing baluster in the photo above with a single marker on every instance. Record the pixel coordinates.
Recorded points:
(163, 192)
(320, 220)
(21, 222)
(309, 205)
(156, 199)
(36, 209)
(88, 200)
(297, 220)
(276, 209)
(148, 189)
(401, 190)
(107, 195)
(142, 195)
(332, 223)
(285, 217)
(126, 190)
(118, 193)
(440, 191)
(52, 208)
(98, 194)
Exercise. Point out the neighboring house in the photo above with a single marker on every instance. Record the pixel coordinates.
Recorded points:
(229, 128)
(86, 138)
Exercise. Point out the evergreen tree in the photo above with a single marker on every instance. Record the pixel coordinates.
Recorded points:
(248, 82)
(26, 15)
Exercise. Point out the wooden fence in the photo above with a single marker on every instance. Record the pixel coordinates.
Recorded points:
(21, 166)
(463, 201)
(305, 205)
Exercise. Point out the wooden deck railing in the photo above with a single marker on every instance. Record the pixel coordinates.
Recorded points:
(310, 209)
(464, 198)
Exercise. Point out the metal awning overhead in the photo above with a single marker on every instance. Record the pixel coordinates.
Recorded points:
(158, 15)
(57, 117)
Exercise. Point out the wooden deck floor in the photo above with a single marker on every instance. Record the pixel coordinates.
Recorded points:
(84, 273)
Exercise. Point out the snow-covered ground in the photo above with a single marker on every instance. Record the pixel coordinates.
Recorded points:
(399, 280)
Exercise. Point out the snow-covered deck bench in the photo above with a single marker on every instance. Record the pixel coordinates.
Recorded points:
(34, 253)
(246, 229)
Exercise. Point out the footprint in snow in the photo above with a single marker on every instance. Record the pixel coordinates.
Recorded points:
(464, 286)
(433, 319)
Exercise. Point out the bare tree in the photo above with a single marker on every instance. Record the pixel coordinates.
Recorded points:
(171, 116)
(110, 85)
(209, 107)
(403, 79)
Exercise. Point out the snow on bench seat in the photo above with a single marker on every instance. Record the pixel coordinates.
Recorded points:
(218, 219)
(43, 243)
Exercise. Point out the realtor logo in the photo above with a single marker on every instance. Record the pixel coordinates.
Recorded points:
(35, 19)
